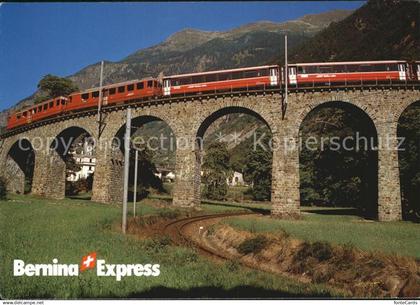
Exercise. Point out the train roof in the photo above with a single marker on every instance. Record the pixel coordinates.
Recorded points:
(219, 71)
(37, 105)
(348, 63)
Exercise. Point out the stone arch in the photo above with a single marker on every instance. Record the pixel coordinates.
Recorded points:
(139, 119)
(252, 105)
(19, 166)
(367, 177)
(404, 108)
(113, 163)
(314, 103)
(408, 161)
(203, 125)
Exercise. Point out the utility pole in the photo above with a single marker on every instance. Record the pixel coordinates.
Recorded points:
(135, 181)
(286, 78)
(127, 139)
(101, 78)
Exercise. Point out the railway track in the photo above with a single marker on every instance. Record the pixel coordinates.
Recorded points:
(176, 230)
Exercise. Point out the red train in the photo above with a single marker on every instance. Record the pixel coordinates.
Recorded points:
(299, 75)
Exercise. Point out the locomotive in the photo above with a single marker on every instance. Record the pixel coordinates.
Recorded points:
(299, 75)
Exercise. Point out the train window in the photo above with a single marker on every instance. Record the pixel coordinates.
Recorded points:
(301, 70)
(352, 68)
(393, 67)
(237, 75)
(25, 114)
(325, 69)
(51, 104)
(18, 116)
(149, 84)
(225, 76)
(85, 96)
(140, 85)
(155, 84)
(45, 106)
(57, 102)
(183, 81)
(39, 108)
(197, 79)
(130, 87)
(365, 68)
(266, 72)
(111, 91)
(310, 69)
(63, 102)
(95, 94)
(121, 89)
(339, 69)
(211, 78)
(249, 74)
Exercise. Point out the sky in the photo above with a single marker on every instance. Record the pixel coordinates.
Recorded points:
(61, 38)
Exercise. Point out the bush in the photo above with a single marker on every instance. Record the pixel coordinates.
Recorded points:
(319, 250)
(253, 245)
(232, 265)
(169, 213)
(3, 189)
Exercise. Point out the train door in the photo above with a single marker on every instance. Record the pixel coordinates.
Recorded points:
(167, 87)
(274, 76)
(402, 71)
(292, 76)
(417, 68)
(105, 94)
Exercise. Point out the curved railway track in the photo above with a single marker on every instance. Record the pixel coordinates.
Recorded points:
(176, 230)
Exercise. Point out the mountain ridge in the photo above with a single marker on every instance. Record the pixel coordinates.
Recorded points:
(172, 56)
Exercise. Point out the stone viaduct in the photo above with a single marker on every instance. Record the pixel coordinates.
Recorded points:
(189, 117)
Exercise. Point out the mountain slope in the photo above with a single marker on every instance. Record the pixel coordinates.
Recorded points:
(192, 50)
(378, 30)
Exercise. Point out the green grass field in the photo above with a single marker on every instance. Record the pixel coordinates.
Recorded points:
(398, 238)
(38, 230)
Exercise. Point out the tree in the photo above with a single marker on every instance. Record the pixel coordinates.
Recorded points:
(258, 170)
(55, 86)
(216, 168)
(146, 173)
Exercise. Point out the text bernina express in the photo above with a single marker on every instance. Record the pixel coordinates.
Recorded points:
(20, 268)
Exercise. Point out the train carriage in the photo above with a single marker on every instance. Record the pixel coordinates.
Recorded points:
(37, 112)
(222, 80)
(251, 78)
(361, 72)
(115, 93)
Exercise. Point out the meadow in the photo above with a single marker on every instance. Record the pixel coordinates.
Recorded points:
(38, 230)
(396, 238)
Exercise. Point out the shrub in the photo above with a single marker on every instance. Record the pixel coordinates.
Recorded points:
(3, 189)
(169, 213)
(211, 230)
(253, 245)
(319, 250)
(158, 244)
(232, 265)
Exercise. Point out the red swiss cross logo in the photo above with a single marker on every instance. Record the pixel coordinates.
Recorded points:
(88, 261)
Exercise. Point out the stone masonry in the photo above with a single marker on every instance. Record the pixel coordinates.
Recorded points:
(190, 117)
